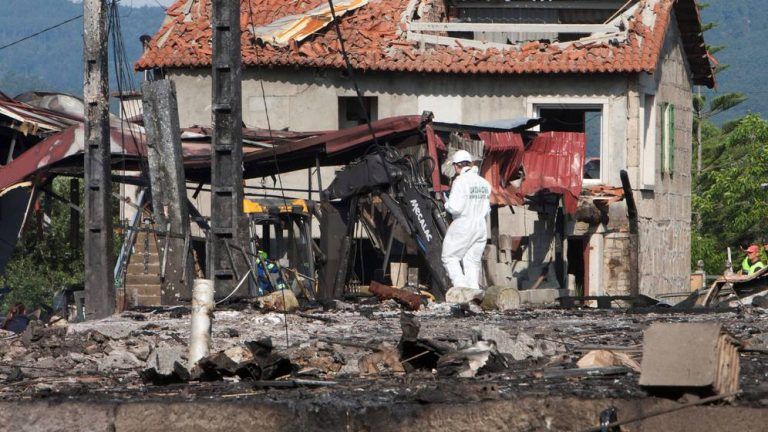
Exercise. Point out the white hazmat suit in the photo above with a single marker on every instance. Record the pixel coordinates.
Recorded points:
(465, 240)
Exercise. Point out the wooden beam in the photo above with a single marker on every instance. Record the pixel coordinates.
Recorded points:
(528, 4)
(455, 42)
(511, 28)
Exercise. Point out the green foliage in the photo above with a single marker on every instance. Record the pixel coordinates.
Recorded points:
(44, 261)
(728, 198)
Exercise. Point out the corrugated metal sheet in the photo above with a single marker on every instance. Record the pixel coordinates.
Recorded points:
(30, 120)
(555, 163)
(503, 157)
(70, 142)
(298, 27)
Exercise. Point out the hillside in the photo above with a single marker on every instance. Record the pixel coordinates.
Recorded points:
(53, 60)
(742, 26)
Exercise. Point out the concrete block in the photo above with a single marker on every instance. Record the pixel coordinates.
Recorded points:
(685, 357)
(540, 296)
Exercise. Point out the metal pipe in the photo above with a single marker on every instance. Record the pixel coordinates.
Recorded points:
(202, 314)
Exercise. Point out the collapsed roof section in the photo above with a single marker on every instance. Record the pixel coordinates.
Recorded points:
(269, 152)
(443, 36)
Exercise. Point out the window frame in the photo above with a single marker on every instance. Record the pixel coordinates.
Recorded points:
(647, 136)
(667, 128)
(534, 104)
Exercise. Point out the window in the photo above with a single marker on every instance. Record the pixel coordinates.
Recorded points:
(352, 114)
(587, 119)
(667, 123)
(648, 140)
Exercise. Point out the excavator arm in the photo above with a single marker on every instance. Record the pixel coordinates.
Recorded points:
(404, 193)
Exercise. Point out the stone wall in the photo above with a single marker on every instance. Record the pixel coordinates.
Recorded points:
(665, 207)
(616, 264)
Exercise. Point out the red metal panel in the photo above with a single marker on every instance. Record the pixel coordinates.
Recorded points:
(503, 157)
(555, 163)
(65, 144)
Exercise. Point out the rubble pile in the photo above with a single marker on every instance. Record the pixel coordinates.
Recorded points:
(376, 346)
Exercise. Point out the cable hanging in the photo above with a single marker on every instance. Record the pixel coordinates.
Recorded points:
(47, 29)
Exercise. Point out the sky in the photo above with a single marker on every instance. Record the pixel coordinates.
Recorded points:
(140, 3)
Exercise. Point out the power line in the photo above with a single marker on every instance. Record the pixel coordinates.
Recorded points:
(40, 32)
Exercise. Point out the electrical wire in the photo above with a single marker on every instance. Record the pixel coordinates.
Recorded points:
(252, 40)
(239, 284)
(33, 35)
(351, 73)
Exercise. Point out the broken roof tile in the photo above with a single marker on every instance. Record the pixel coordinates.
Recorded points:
(372, 28)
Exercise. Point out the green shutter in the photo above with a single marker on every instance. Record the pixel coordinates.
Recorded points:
(671, 139)
(662, 145)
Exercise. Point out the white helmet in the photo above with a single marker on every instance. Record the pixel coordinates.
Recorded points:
(462, 156)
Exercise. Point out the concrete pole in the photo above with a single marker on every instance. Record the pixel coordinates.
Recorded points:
(74, 215)
(228, 223)
(99, 290)
(168, 184)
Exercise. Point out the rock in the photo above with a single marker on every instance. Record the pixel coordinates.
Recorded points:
(521, 351)
(77, 357)
(107, 328)
(526, 339)
(164, 357)
(119, 359)
(141, 350)
(269, 319)
(463, 295)
(343, 306)
(165, 365)
(387, 359)
(283, 300)
(466, 363)
(505, 342)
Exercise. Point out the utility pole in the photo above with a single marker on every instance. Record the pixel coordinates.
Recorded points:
(99, 290)
(167, 181)
(228, 223)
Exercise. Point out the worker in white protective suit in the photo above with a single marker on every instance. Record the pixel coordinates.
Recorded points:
(465, 240)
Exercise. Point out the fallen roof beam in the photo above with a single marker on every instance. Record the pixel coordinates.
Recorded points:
(511, 28)
(528, 4)
(455, 42)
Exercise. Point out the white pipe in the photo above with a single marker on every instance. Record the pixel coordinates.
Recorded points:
(202, 316)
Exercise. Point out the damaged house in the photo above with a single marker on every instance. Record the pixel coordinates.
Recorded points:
(618, 73)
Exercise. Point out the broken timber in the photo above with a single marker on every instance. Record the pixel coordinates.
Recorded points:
(168, 185)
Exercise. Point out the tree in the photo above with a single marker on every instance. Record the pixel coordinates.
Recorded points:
(733, 206)
(704, 110)
(44, 262)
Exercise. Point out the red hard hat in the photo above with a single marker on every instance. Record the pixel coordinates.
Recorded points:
(753, 249)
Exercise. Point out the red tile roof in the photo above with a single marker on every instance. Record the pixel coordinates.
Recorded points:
(375, 40)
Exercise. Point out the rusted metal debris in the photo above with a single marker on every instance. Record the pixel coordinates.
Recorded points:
(409, 300)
